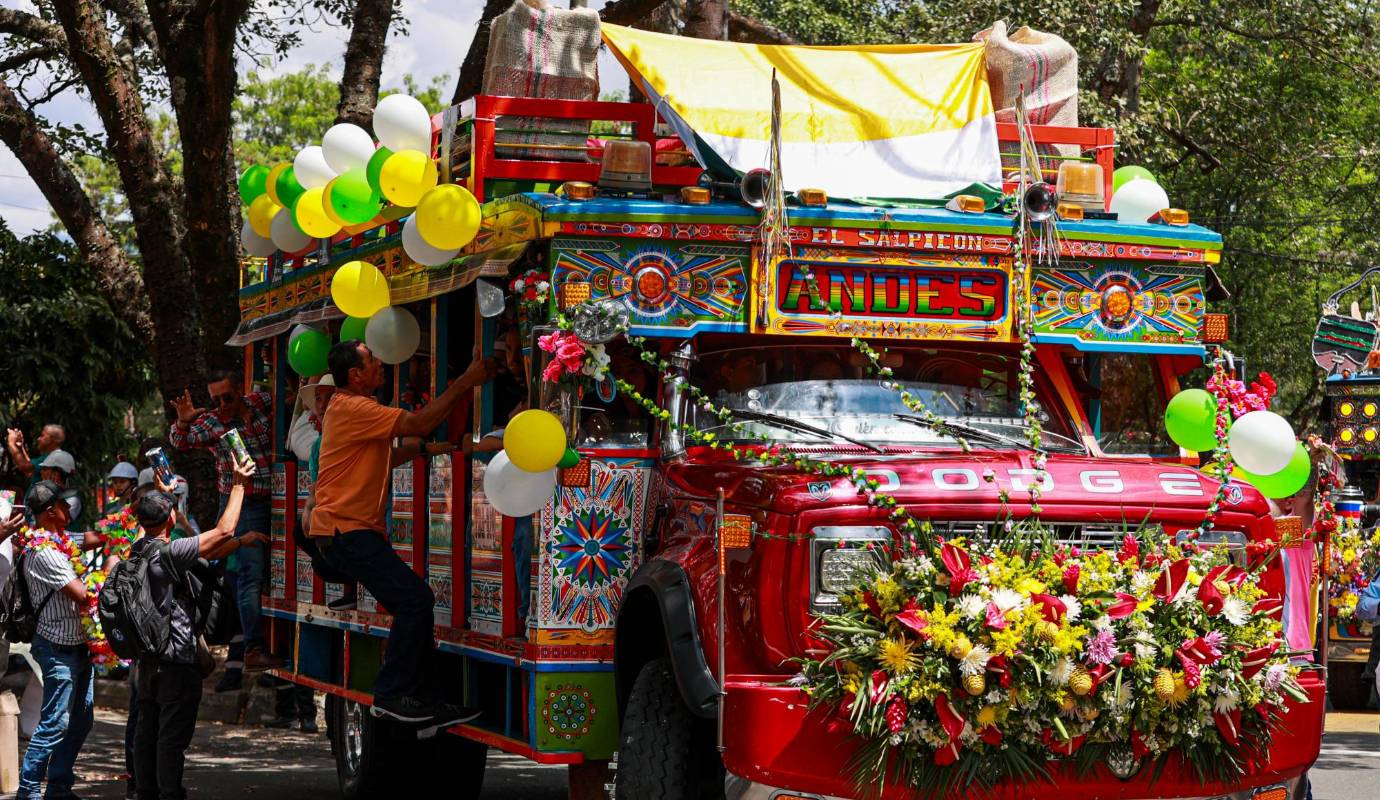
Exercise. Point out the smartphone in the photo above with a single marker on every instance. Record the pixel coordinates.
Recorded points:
(7, 498)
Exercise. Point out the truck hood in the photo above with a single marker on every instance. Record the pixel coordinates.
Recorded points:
(971, 482)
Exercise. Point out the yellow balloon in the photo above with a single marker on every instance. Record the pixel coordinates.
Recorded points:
(311, 216)
(448, 217)
(359, 289)
(406, 176)
(261, 213)
(534, 440)
(326, 205)
(272, 186)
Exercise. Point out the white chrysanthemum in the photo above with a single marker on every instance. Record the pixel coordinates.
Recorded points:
(994, 697)
(1062, 671)
(1009, 600)
(972, 606)
(1226, 702)
(1123, 697)
(976, 661)
(1072, 608)
(969, 734)
(1146, 652)
(1236, 611)
(1141, 583)
(1102, 623)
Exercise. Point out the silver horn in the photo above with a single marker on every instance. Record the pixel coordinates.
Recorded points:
(1040, 202)
(753, 187)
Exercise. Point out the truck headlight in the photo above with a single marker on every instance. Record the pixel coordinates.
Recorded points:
(836, 569)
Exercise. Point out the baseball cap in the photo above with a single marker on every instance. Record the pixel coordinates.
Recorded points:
(153, 509)
(125, 470)
(59, 460)
(42, 496)
(145, 477)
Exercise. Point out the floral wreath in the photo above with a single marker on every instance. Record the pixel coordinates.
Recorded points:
(102, 656)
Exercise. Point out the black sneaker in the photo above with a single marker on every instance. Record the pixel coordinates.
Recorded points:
(448, 714)
(347, 603)
(231, 681)
(403, 709)
(280, 723)
(309, 726)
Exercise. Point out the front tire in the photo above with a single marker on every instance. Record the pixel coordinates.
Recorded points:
(451, 767)
(366, 751)
(1345, 688)
(664, 750)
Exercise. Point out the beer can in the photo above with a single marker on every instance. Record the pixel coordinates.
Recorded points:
(235, 442)
(158, 461)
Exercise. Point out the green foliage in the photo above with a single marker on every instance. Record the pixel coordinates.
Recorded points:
(68, 359)
(1258, 118)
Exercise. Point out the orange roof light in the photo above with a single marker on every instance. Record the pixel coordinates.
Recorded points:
(1171, 216)
(812, 197)
(578, 190)
(967, 204)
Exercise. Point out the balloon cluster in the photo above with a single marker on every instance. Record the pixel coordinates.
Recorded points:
(522, 477)
(345, 181)
(1261, 442)
(1136, 195)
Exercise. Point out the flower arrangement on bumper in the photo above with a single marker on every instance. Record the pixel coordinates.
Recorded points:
(996, 657)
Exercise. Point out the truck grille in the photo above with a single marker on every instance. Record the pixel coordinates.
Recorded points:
(1095, 536)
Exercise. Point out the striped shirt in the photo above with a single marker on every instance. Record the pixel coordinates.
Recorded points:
(46, 570)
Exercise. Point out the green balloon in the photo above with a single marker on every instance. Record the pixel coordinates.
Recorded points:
(1124, 175)
(352, 199)
(1191, 420)
(1285, 483)
(569, 459)
(375, 166)
(353, 328)
(307, 352)
(253, 182)
(289, 190)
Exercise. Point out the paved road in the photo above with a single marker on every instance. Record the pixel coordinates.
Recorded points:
(234, 761)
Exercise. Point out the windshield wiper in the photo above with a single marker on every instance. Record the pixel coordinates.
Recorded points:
(1062, 442)
(951, 427)
(802, 427)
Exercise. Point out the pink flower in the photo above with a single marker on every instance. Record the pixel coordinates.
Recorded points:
(549, 342)
(571, 353)
(1101, 647)
(553, 371)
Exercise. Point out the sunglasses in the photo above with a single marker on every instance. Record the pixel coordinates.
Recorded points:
(218, 400)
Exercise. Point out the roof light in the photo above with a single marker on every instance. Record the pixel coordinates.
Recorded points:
(694, 195)
(1070, 212)
(812, 197)
(627, 165)
(578, 190)
(1170, 216)
(1081, 183)
(967, 204)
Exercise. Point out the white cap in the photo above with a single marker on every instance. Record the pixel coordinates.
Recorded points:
(145, 476)
(125, 470)
(59, 460)
(308, 392)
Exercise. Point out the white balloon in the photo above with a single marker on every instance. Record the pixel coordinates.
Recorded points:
(1138, 201)
(402, 123)
(516, 492)
(311, 169)
(347, 147)
(393, 335)
(286, 235)
(254, 244)
(418, 250)
(1261, 442)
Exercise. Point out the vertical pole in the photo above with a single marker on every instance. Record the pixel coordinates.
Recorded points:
(723, 576)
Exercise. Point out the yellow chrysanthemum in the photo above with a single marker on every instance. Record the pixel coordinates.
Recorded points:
(986, 716)
(1180, 694)
(897, 658)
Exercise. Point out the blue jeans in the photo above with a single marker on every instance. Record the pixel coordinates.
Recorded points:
(367, 557)
(67, 718)
(522, 555)
(255, 515)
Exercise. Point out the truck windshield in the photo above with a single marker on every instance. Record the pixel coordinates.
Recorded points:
(829, 388)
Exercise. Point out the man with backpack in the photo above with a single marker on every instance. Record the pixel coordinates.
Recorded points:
(161, 599)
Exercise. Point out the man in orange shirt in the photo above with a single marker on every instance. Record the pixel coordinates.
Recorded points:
(357, 455)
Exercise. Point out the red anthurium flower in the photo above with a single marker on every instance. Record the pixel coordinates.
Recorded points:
(997, 666)
(1229, 725)
(1200, 651)
(1256, 659)
(1138, 748)
(1124, 606)
(1058, 745)
(1230, 573)
(1051, 607)
(916, 621)
(1099, 673)
(877, 687)
(947, 755)
(949, 718)
(1171, 580)
(990, 735)
(872, 605)
(1270, 606)
(1210, 597)
(959, 565)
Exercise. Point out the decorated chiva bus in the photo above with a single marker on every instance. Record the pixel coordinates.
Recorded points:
(828, 454)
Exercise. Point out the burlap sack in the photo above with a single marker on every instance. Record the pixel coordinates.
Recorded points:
(539, 51)
(1046, 65)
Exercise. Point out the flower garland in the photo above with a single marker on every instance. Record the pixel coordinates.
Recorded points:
(1221, 458)
(117, 533)
(1025, 329)
(93, 577)
(991, 660)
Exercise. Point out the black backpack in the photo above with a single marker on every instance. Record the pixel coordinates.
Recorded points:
(18, 617)
(130, 616)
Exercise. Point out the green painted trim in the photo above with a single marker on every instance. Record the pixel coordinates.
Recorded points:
(601, 739)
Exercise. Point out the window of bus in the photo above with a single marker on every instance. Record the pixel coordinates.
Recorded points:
(605, 416)
(1122, 397)
(777, 389)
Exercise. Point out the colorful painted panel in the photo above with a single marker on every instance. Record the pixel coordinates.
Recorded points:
(486, 558)
(400, 515)
(1119, 306)
(887, 295)
(439, 554)
(668, 288)
(304, 573)
(576, 711)
(590, 547)
(277, 549)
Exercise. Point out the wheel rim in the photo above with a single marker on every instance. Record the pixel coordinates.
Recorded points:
(354, 736)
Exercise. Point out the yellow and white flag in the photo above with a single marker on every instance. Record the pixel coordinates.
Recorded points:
(911, 121)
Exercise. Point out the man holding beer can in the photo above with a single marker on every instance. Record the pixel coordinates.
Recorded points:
(238, 427)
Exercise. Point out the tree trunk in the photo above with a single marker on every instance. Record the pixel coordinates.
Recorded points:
(359, 83)
(472, 69)
(119, 280)
(153, 201)
(707, 19)
(200, 64)
(1118, 73)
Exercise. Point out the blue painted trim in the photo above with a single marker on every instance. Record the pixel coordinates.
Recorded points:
(1120, 347)
(692, 330)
